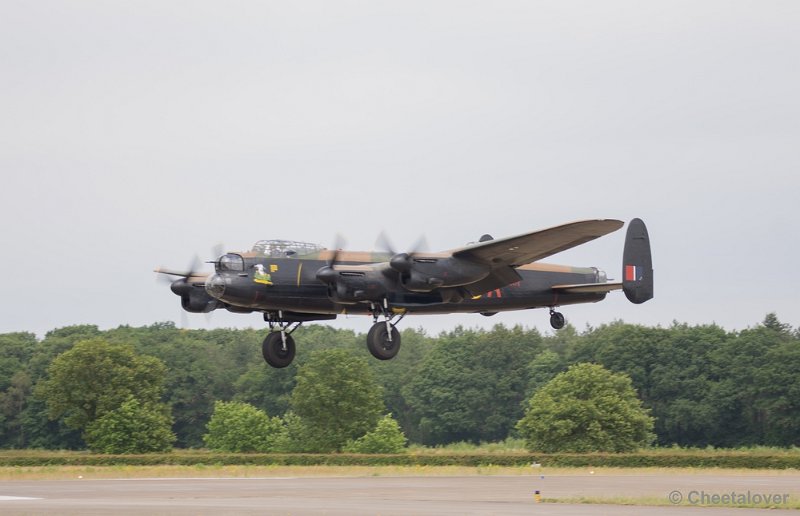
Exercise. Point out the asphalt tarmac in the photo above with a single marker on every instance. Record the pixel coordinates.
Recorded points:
(385, 495)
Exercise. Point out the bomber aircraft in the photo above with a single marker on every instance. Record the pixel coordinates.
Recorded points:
(294, 282)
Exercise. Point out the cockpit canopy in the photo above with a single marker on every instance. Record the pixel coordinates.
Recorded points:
(285, 248)
(231, 262)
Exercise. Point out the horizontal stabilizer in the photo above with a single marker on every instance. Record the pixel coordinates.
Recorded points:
(588, 287)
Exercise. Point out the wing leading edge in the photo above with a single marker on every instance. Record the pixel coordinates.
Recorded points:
(530, 247)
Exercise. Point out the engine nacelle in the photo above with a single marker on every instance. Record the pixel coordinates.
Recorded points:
(350, 287)
(197, 301)
(427, 274)
(418, 282)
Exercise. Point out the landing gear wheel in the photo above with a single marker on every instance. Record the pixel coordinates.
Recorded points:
(557, 320)
(379, 344)
(273, 350)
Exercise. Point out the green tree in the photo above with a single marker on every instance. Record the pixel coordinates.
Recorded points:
(670, 369)
(39, 430)
(132, 427)
(703, 385)
(542, 369)
(680, 382)
(755, 387)
(295, 436)
(620, 347)
(337, 398)
(780, 395)
(56, 342)
(198, 374)
(16, 350)
(564, 341)
(13, 403)
(471, 384)
(240, 427)
(96, 377)
(265, 387)
(771, 322)
(398, 372)
(201, 368)
(387, 437)
(586, 408)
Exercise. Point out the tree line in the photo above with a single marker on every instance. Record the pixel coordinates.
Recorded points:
(703, 385)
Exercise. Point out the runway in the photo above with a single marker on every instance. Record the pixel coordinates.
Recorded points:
(384, 496)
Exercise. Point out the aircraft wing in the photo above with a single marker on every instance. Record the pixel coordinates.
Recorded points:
(498, 278)
(530, 247)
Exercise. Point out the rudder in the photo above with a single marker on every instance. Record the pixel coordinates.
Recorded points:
(637, 264)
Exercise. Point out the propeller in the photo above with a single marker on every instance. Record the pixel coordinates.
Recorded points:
(188, 279)
(400, 262)
(179, 286)
(327, 273)
(217, 251)
(183, 284)
(194, 269)
(184, 319)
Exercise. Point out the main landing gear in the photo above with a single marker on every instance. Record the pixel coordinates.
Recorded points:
(278, 346)
(557, 320)
(383, 339)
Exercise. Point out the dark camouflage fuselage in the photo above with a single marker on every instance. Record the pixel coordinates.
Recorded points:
(290, 284)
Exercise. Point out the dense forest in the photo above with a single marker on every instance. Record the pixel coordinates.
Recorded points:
(702, 384)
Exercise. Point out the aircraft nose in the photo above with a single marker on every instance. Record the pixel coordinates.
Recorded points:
(215, 286)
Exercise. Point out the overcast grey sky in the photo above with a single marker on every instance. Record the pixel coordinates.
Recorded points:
(136, 134)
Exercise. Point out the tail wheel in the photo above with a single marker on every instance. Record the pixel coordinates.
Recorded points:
(557, 320)
(275, 353)
(379, 344)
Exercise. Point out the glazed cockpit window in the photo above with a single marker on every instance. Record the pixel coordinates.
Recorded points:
(285, 248)
(231, 262)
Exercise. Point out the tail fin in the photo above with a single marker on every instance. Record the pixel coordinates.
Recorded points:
(637, 264)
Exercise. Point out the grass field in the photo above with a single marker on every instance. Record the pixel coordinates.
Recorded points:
(227, 471)
(469, 456)
(660, 501)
